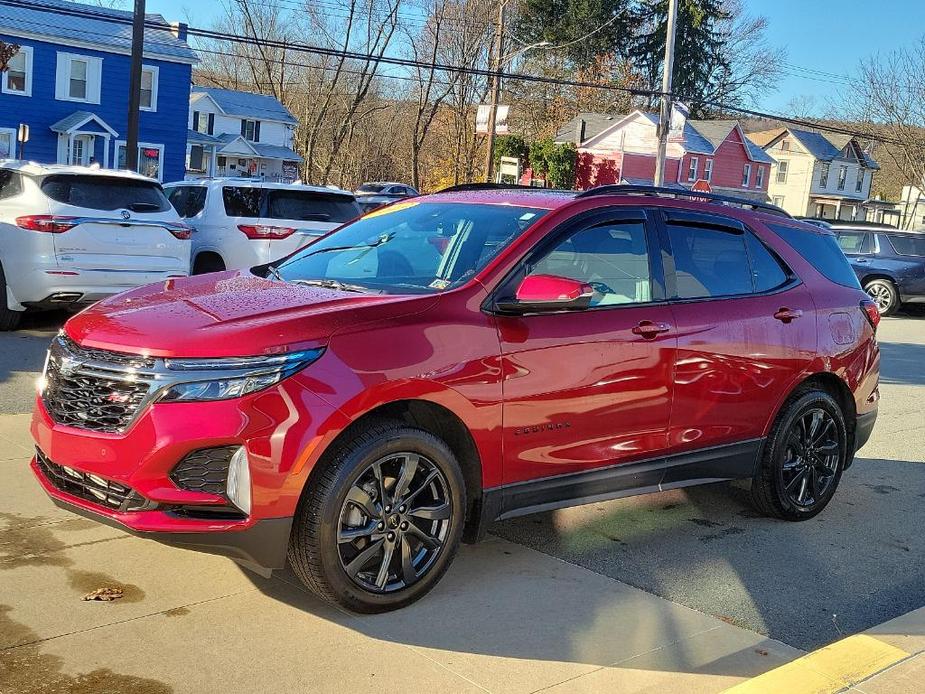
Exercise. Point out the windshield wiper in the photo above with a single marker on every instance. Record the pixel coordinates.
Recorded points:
(331, 284)
(273, 272)
(385, 238)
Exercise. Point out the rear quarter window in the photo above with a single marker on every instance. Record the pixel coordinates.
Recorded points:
(821, 250)
(105, 193)
(908, 245)
(10, 184)
(188, 201)
(241, 202)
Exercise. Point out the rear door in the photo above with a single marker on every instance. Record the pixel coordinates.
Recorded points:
(592, 388)
(121, 225)
(746, 330)
(858, 247)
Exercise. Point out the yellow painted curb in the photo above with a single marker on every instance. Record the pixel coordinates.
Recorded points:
(827, 670)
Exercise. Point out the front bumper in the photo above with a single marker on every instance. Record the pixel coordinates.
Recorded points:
(279, 428)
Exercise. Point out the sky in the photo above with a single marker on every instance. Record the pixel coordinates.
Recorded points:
(824, 40)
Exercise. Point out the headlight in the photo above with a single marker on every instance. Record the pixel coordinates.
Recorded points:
(221, 379)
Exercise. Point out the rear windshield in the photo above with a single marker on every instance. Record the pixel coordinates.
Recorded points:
(908, 245)
(306, 205)
(105, 193)
(821, 250)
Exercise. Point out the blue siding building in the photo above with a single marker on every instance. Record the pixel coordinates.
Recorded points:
(69, 83)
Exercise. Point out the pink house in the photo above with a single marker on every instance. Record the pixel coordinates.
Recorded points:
(621, 149)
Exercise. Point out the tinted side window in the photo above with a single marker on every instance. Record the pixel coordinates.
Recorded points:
(10, 184)
(852, 242)
(188, 201)
(905, 245)
(241, 202)
(709, 262)
(821, 250)
(610, 257)
(767, 272)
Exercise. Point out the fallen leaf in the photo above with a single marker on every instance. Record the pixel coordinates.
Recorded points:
(761, 651)
(104, 594)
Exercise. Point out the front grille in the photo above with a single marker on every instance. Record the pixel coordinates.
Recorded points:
(94, 389)
(205, 470)
(93, 488)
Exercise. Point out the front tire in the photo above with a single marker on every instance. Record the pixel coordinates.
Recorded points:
(803, 458)
(381, 521)
(885, 295)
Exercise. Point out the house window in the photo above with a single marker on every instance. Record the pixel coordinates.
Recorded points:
(859, 186)
(785, 145)
(250, 130)
(692, 170)
(203, 122)
(78, 78)
(149, 88)
(197, 160)
(824, 175)
(759, 178)
(708, 169)
(18, 77)
(842, 177)
(782, 167)
(778, 200)
(150, 159)
(746, 175)
(7, 143)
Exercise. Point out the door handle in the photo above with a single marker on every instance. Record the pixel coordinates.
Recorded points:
(862, 261)
(785, 315)
(650, 330)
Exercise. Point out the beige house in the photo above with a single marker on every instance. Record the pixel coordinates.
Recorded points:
(822, 175)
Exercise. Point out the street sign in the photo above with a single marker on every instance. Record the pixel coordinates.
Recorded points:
(482, 115)
(702, 186)
(23, 134)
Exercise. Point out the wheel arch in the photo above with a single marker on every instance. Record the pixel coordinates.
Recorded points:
(208, 253)
(440, 421)
(871, 276)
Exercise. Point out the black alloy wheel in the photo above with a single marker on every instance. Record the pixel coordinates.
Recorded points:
(380, 519)
(811, 459)
(394, 522)
(803, 457)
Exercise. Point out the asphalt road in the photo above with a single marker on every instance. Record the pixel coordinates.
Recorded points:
(854, 566)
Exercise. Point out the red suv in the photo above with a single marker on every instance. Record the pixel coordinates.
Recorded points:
(363, 404)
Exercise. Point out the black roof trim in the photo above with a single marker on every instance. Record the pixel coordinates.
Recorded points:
(656, 191)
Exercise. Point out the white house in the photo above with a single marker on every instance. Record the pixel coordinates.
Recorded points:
(234, 133)
(821, 175)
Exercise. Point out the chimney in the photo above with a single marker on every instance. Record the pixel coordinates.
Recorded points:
(178, 29)
(580, 132)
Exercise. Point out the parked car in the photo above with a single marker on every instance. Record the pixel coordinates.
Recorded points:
(374, 195)
(71, 235)
(890, 264)
(239, 223)
(473, 355)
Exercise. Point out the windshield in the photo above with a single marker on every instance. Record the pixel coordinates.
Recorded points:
(105, 193)
(410, 247)
(371, 188)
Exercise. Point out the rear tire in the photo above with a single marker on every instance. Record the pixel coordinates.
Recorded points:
(9, 319)
(208, 262)
(803, 458)
(885, 295)
(380, 522)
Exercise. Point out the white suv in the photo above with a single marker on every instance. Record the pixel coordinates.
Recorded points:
(240, 223)
(72, 235)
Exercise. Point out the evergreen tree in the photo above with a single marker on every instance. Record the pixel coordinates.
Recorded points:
(700, 56)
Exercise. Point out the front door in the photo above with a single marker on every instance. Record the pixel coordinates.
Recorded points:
(746, 331)
(81, 150)
(589, 389)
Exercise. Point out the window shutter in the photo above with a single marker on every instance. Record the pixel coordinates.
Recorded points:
(196, 121)
(211, 127)
(243, 127)
(257, 131)
(62, 75)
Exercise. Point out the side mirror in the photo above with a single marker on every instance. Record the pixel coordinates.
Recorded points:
(542, 293)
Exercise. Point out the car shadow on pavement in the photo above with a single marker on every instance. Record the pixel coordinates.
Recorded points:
(23, 354)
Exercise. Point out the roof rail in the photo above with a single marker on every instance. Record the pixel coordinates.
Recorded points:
(462, 187)
(657, 191)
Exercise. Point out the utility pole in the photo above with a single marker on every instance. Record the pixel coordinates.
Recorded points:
(134, 89)
(664, 120)
(495, 93)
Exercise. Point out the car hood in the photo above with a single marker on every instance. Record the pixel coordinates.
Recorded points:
(230, 314)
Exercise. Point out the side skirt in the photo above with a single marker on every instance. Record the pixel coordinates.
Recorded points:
(715, 464)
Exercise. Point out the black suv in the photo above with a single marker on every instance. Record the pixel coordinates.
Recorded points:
(890, 264)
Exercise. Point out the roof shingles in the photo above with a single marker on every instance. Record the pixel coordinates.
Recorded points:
(247, 104)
